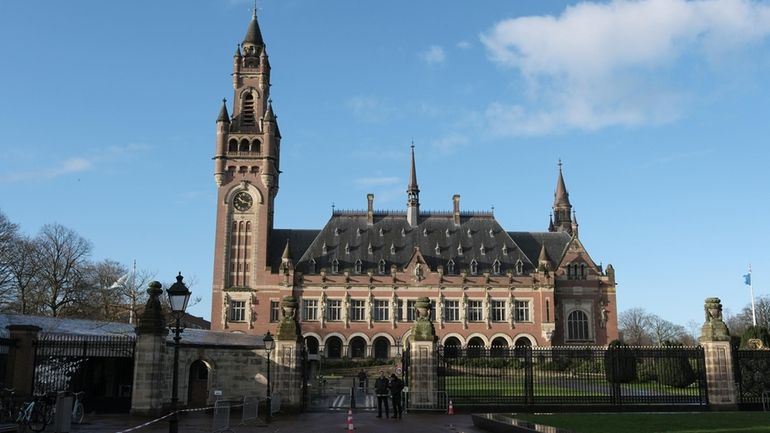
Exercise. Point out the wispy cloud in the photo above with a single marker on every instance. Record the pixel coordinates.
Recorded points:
(464, 45)
(369, 108)
(434, 55)
(450, 142)
(73, 165)
(607, 64)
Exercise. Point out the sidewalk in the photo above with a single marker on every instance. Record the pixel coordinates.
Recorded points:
(323, 422)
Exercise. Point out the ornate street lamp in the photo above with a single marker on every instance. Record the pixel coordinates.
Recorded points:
(269, 345)
(178, 297)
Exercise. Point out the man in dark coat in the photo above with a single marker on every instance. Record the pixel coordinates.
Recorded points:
(382, 389)
(396, 385)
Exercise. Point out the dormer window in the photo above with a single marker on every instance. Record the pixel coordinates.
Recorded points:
(369, 249)
(496, 267)
(474, 267)
(438, 248)
(358, 232)
(470, 233)
(447, 233)
(335, 266)
(505, 249)
(324, 250)
(357, 267)
(450, 267)
(311, 267)
(519, 267)
(460, 250)
(425, 231)
(336, 231)
(482, 250)
(381, 232)
(347, 248)
(403, 232)
(392, 249)
(491, 233)
(381, 267)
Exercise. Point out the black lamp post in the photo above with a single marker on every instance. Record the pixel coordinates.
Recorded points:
(178, 297)
(269, 345)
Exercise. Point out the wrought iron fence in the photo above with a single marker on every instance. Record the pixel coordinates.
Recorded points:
(552, 376)
(752, 375)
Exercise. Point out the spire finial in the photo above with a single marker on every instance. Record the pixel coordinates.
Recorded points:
(255, 10)
(560, 164)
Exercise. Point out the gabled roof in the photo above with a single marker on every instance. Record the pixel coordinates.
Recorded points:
(347, 237)
(531, 242)
(298, 240)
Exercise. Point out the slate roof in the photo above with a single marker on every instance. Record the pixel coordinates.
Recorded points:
(253, 34)
(299, 241)
(347, 238)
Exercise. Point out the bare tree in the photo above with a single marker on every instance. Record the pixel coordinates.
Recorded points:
(132, 289)
(635, 325)
(24, 296)
(62, 257)
(662, 330)
(8, 236)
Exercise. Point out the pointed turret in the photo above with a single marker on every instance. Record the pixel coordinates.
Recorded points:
(562, 208)
(551, 228)
(223, 116)
(253, 36)
(543, 261)
(413, 196)
(574, 224)
(287, 263)
(269, 115)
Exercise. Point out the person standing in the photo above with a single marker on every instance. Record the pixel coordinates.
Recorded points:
(362, 380)
(382, 389)
(396, 385)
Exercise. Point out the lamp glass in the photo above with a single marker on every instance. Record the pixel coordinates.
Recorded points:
(269, 342)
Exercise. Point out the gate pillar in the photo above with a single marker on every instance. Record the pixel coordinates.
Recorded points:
(287, 382)
(715, 339)
(423, 371)
(21, 358)
(150, 356)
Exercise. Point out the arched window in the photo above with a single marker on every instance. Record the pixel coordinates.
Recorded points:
(244, 147)
(311, 267)
(496, 267)
(256, 146)
(577, 326)
(247, 109)
(381, 267)
(474, 267)
(519, 267)
(311, 343)
(358, 266)
(335, 266)
(450, 267)
(582, 271)
(232, 145)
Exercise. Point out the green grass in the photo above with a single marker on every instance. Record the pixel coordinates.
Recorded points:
(701, 422)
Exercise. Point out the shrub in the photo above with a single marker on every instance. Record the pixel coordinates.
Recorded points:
(675, 369)
(620, 363)
(759, 332)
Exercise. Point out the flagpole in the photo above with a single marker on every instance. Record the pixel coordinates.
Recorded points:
(751, 287)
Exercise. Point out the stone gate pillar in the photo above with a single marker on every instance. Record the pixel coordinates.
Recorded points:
(20, 372)
(423, 368)
(715, 339)
(150, 356)
(286, 359)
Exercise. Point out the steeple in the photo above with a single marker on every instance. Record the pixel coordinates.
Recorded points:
(562, 209)
(413, 196)
(253, 36)
(223, 116)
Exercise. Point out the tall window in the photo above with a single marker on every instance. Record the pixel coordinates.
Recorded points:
(247, 112)
(450, 267)
(498, 311)
(577, 326)
(410, 310)
(240, 253)
(357, 310)
(310, 309)
(521, 310)
(474, 267)
(237, 311)
(381, 310)
(451, 310)
(381, 267)
(333, 310)
(474, 311)
(400, 310)
(275, 311)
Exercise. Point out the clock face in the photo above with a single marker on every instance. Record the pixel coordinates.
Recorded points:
(242, 201)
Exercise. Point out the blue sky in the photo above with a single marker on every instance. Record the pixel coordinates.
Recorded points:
(657, 108)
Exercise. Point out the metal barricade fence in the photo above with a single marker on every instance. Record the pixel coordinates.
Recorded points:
(221, 418)
(250, 409)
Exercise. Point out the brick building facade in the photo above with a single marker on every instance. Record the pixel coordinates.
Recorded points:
(357, 278)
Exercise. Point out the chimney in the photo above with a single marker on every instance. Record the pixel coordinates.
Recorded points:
(456, 209)
(369, 209)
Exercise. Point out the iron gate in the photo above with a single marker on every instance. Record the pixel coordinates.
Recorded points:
(100, 365)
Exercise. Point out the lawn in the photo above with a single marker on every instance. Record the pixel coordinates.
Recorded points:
(699, 422)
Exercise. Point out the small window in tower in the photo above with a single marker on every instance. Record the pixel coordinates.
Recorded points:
(403, 233)
(335, 266)
(474, 267)
(583, 272)
(381, 232)
(425, 231)
(450, 267)
(232, 145)
(256, 147)
(381, 267)
(244, 147)
(247, 110)
(358, 266)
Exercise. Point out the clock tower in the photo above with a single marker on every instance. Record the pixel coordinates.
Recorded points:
(246, 171)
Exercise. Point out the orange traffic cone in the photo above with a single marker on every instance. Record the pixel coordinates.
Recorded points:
(350, 420)
(450, 410)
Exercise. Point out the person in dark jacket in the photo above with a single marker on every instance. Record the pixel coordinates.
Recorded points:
(382, 389)
(396, 385)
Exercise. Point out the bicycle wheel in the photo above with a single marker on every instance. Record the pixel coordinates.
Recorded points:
(38, 418)
(78, 413)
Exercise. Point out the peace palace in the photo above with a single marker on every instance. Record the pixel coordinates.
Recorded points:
(357, 278)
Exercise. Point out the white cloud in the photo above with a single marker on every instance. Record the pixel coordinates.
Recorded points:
(450, 142)
(434, 55)
(369, 109)
(464, 45)
(605, 64)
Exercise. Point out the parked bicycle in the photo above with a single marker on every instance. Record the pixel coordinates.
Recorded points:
(78, 411)
(37, 413)
(8, 408)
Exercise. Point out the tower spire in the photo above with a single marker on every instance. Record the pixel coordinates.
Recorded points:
(562, 209)
(413, 195)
